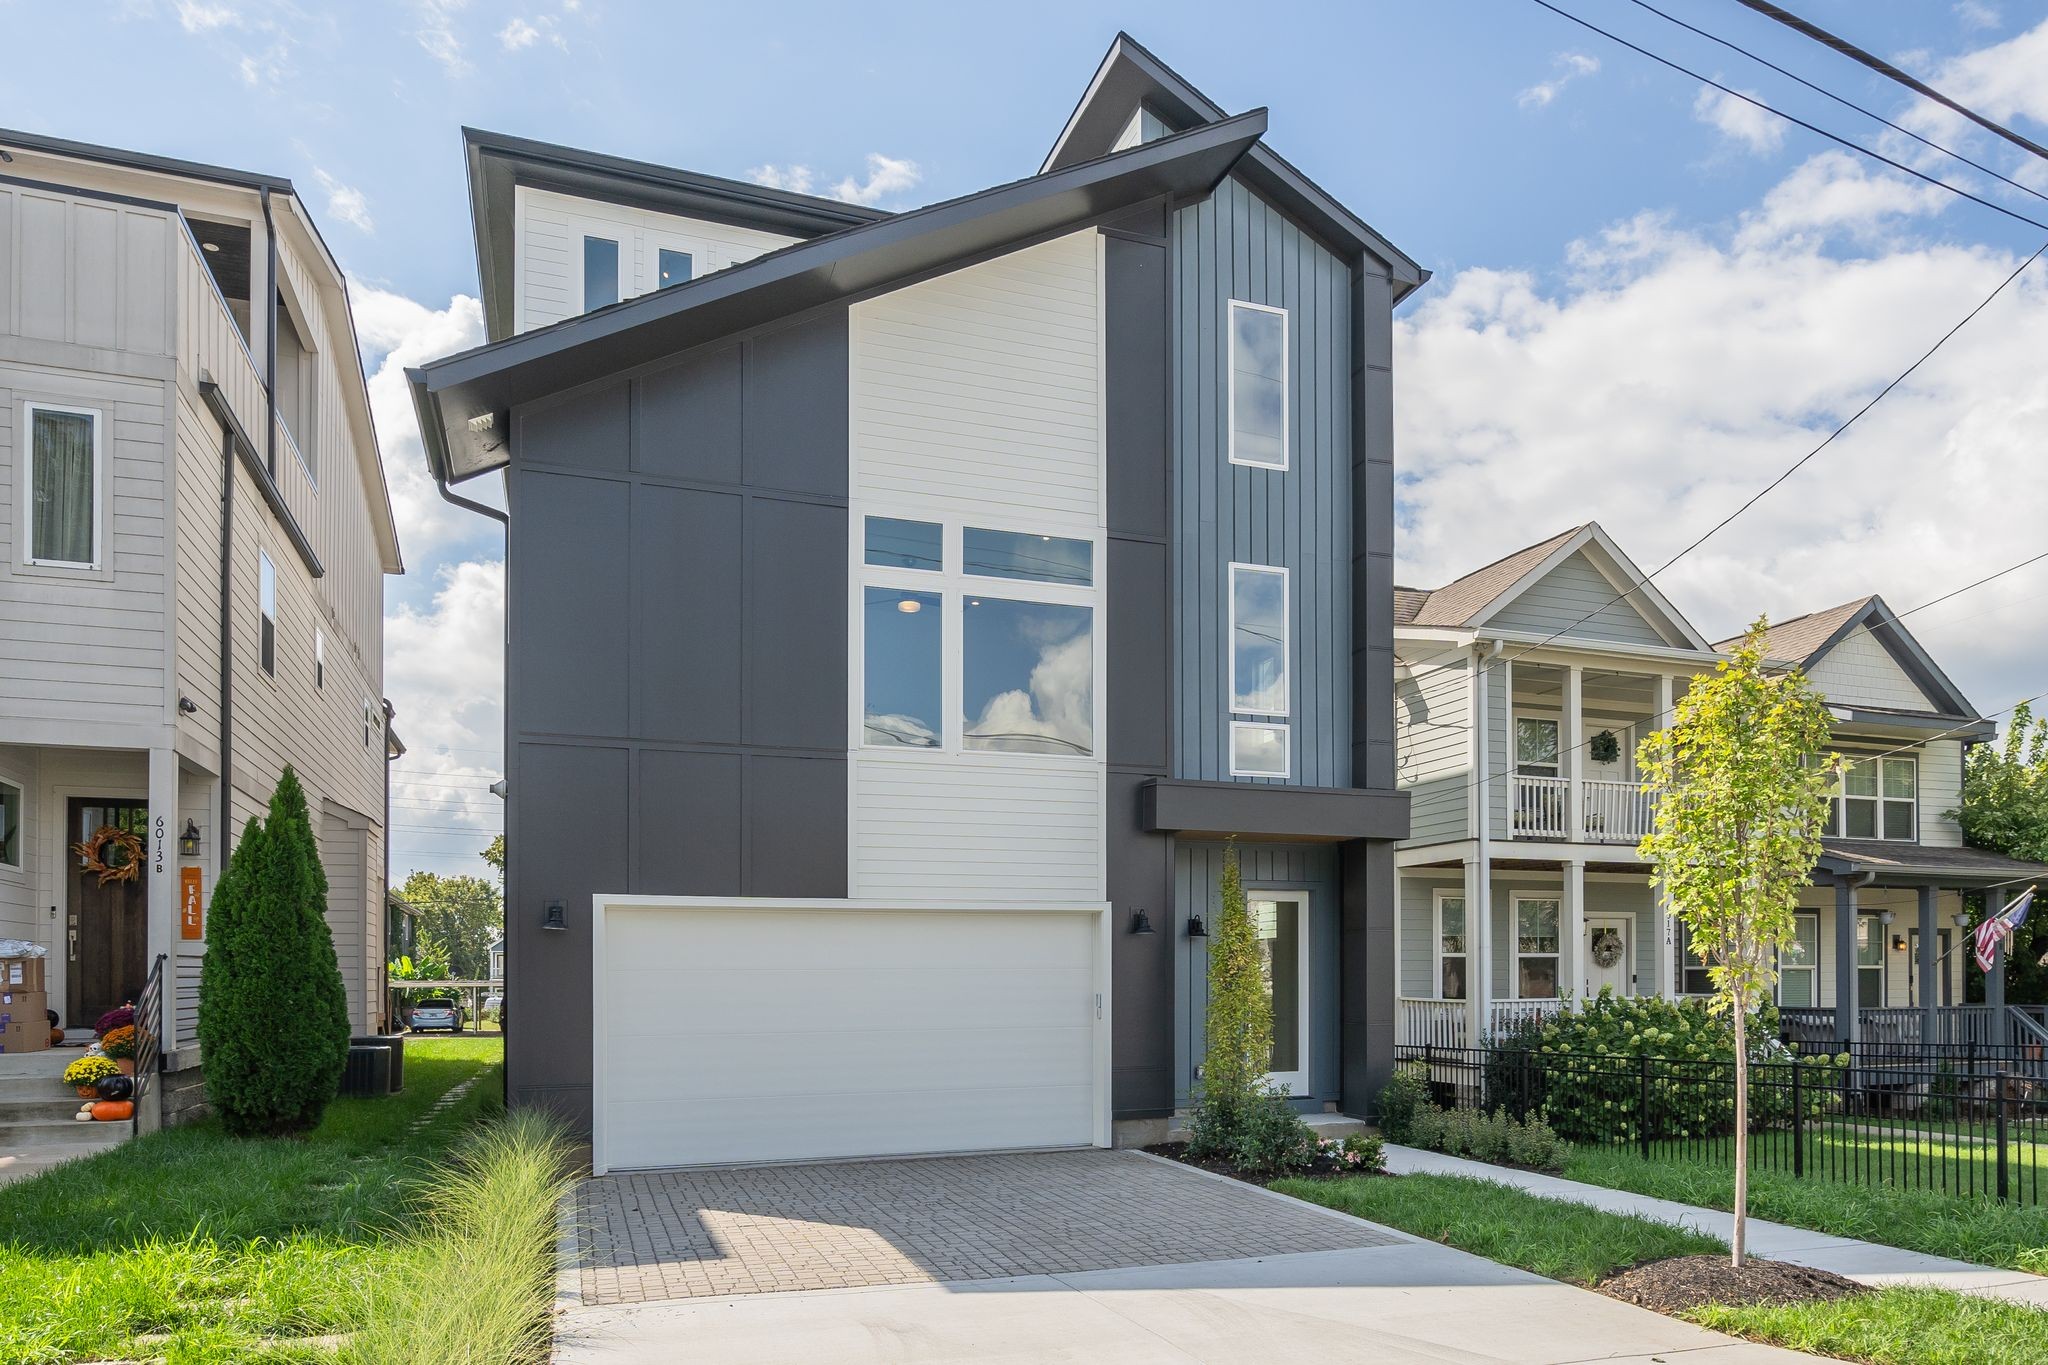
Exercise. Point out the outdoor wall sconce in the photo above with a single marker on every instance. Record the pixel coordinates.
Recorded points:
(556, 916)
(1898, 943)
(1140, 924)
(1197, 929)
(188, 839)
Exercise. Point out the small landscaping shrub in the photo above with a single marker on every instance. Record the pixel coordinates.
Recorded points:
(1271, 1139)
(1239, 1030)
(1360, 1153)
(1405, 1094)
(1498, 1137)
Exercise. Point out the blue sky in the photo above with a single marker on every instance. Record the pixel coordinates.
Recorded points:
(1647, 300)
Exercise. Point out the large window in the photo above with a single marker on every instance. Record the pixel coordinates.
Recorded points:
(1450, 945)
(600, 272)
(1536, 920)
(1258, 385)
(266, 603)
(1258, 640)
(1799, 963)
(63, 494)
(10, 825)
(976, 639)
(1536, 746)
(1877, 798)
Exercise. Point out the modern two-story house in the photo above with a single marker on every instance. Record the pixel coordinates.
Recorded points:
(1524, 688)
(904, 610)
(194, 534)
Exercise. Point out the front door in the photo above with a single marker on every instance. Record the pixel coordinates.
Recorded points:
(1281, 920)
(1913, 976)
(107, 920)
(1609, 963)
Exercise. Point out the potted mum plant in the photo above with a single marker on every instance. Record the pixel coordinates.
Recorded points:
(85, 1074)
(119, 1044)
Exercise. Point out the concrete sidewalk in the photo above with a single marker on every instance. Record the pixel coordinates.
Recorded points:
(1865, 1262)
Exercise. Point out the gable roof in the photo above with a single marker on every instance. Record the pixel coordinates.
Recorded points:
(1805, 640)
(1473, 600)
(1130, 78)
(463, 401)
(498, 163)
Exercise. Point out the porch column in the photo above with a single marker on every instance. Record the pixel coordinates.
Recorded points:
(1845, 961)
(1930, 970)
(1994, 980)
(1478, 951)
(1572, 932)
(161, 868)
(1568, 742)
(1666, 975)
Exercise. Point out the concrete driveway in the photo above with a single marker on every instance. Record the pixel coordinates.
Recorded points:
(1050, 1256)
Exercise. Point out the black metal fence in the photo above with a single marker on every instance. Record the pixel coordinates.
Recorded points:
(1964, 1127)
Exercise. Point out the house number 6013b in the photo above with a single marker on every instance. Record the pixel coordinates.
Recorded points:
(158, 833)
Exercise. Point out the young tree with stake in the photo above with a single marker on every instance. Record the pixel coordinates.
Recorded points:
(1739, 816)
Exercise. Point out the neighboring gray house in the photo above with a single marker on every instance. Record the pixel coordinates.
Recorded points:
(194, 534)
(902, 612)
(1523, 689)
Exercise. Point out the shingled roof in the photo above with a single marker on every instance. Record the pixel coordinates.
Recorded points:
(1801, 638)
(1461, 599)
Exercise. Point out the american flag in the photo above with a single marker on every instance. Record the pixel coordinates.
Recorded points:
(1998, 928)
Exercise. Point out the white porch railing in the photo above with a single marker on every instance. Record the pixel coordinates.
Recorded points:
(1539, 806)
(1445, 1023)
(1617, 812)
(1504, 1014)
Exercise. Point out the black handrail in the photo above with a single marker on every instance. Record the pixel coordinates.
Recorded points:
(149, 1032)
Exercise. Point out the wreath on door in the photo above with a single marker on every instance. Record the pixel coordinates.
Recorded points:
(1607, 948)
(112, 854)
(1604, 747)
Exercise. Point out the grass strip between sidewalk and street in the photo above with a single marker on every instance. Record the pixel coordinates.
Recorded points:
(1586, 1246)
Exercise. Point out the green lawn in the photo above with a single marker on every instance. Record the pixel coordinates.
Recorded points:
(1585, 1246)
(1971, 1229)
(196, 1247)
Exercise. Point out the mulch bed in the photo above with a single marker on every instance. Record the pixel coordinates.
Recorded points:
(1682, 1283)
(1324, 1169)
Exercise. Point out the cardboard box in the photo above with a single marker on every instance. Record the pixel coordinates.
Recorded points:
(22, 974)
(24, 1021)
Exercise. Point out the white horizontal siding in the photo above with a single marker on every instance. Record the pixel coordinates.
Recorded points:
(1861, 672)
(977, 393)
(977, 826)
(1433, 732)
(1941, 791)
(1577, 599)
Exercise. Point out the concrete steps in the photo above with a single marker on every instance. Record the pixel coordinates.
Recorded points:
(37, 1127)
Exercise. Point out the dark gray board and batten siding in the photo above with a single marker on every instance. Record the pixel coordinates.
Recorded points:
(676, 670)
(1235, 245)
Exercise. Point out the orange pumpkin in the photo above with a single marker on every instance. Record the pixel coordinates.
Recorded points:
(113, 1111)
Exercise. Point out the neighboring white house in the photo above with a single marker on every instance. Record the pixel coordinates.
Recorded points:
(178, 369)
(1518, 751)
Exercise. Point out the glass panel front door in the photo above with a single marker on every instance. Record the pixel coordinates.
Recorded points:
(1281, 922)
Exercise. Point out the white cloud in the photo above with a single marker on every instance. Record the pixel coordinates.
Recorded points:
(1670, 374)
(1975, 14)
(396, 332)
(346, 202)
(2003, 81)
(1758, 130)
(887, 175)
(435, 32)
(1569, 66)
(521, 33)
(195, 16)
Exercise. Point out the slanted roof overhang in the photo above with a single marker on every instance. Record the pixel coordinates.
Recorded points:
(464, 401)
(1921, 864)
(499, 163)
(1130, 77)
(1314, 814)
(1893, 724)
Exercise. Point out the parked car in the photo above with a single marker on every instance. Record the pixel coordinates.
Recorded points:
(435, 1012)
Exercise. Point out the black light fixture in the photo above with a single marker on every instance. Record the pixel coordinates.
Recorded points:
(1140, 924)
(556, 916)
(1197, 929)
(188, 840)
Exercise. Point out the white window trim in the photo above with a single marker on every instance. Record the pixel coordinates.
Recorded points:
(1286, 635)
(319, 658)
(1554, 721)
(28, 485)
(1437, 954)
(1875, 918)
(1516, 957)
(954, 586)
(1813, 966)
(622, 247)
(1287, 736)
(265, 563)
(20, 790)
(1230, 384)
(1838, 823)
(1299, 1082)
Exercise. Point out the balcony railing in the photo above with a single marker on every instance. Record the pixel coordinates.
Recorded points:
(1445, 1023)
(1614, 812)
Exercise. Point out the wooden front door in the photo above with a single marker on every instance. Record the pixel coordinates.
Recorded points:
(107, 939)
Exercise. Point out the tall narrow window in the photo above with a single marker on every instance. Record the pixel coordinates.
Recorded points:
(1450, 947)
(600, 272)
(1799, 963)
(1694, 978)
(10, 825)
(266, 603)
(1258, 385)
(319, 657)
(676, 267)
(1258, 640)
(904, 670)
(1536, 947)
(63, 486)
(1869, 962)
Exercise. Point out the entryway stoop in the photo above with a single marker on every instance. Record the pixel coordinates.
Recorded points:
(37, 1127)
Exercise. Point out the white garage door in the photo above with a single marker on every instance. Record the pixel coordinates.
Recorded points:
(774, 1031)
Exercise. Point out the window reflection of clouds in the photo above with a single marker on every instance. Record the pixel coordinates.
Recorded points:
(1027, 677)
(1258, 385)
(1259, 750)
(1259, 616)
(902, 705)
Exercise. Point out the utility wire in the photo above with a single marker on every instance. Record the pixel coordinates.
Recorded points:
(1792, 118)
(1845, 103)
(1888, 71)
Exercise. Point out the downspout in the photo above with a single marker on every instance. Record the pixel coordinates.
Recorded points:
(269, 337)
(456, 499)
(227, 650)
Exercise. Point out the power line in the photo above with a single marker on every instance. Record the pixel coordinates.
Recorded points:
(1888, 71)
(1846, 103)
(1792, 118)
